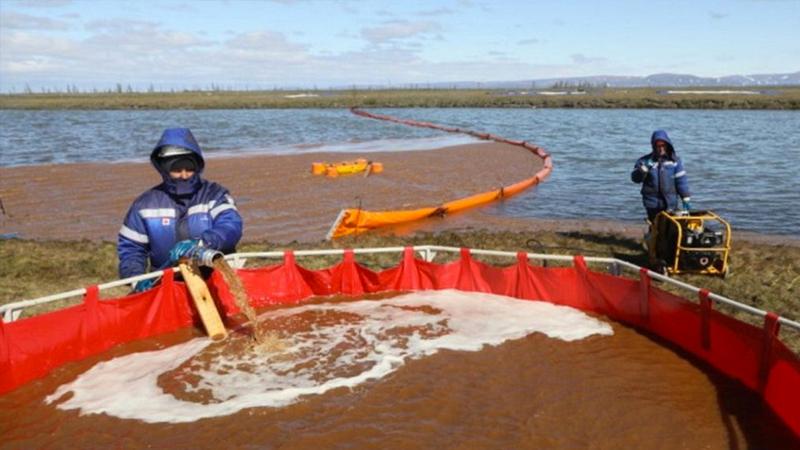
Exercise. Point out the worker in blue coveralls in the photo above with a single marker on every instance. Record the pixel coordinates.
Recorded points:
(180, 216)
(662, 176)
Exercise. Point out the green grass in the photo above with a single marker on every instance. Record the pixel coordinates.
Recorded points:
(779, 98)
(764, 276)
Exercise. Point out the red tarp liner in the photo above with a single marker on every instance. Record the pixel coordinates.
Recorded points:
(30, 348)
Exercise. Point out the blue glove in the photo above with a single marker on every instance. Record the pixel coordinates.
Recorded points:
(647, 164)
(144, 285)
(686, 205)
(184, 249)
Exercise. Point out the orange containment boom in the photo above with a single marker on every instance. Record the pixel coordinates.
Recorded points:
(356, 220)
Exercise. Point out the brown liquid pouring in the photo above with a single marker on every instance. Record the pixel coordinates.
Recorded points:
(264, 341)
(239, 296)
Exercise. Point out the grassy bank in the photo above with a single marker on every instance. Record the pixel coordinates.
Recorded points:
(774, 98)
(764, 276)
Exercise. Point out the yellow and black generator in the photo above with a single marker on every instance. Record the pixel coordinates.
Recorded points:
(690, 242)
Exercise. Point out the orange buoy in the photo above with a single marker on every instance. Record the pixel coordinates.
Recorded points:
(318, 168)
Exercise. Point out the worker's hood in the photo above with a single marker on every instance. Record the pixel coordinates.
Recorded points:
(661, 135)
(176, 143)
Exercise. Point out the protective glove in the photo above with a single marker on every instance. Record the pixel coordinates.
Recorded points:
(144, 285)
(184, 249)
(686, 205)
(647, 164)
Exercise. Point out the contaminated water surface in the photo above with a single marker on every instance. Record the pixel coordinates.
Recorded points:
(740, 164)
(439, 369)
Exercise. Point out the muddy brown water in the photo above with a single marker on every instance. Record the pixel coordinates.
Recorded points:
(278, 196)
(602, 392)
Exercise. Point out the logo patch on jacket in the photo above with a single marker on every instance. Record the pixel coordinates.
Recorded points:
(165, 221)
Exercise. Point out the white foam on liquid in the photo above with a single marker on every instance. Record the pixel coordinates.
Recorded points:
(339, 344)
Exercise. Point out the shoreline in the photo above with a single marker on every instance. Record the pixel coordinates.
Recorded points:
(455, 223)
(769, 98)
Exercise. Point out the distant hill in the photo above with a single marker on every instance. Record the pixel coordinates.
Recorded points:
(655, 80)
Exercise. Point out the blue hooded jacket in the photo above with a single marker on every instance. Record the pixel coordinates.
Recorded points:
(176, 210)
(665, 181)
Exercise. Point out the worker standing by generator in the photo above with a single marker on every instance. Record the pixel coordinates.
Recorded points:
(662, 176)
(678, 240)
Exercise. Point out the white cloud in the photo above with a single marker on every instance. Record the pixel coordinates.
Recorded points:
(145, 51)
(579, 58)
(19, 21)
(262, 47)
(42, 3)
(140, 38)
(141, 53)
(348, 8)
(435, 12)
(18, 44)
(259, 40)
(398, 29)
(130, 26)
(30, 66)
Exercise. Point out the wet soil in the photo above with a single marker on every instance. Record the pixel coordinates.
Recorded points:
(603, 392)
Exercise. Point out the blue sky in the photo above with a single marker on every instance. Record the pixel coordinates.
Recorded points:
(334, 43)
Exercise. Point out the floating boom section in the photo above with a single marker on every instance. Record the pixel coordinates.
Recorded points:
(755, 356)
(356, 220)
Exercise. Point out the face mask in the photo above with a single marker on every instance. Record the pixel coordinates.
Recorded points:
(185, 187)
